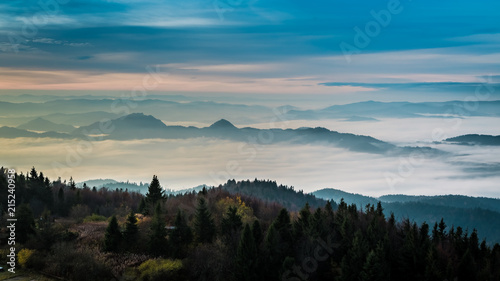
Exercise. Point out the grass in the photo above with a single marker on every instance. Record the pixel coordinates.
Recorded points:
(23, 275)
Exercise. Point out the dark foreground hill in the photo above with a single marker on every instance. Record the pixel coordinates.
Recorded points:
(101, 234)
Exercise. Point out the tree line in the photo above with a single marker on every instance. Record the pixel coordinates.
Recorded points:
(215, 234)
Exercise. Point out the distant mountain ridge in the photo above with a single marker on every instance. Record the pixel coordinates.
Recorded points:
(374, 109)
(475, 139)
(141, 126)
(40, 124)
(12, 133)
(457, 210)
(185, 109)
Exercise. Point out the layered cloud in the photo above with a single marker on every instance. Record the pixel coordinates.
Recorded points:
(187, 163)
(230, 46)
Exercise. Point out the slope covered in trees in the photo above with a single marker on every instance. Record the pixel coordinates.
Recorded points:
(215, 234)
(457, 210)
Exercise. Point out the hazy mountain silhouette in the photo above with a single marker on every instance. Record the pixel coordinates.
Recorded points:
(474, 139)
(80, 119)
(96, 182)
(173, 111)
(458, 201)
(398, 110)
(141, 126)
(223, 124)
(40, 124)
(11, 133)
(243, 114)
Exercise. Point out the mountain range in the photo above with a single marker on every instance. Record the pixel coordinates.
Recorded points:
(375, 109)
(140, 126)
(180, 108)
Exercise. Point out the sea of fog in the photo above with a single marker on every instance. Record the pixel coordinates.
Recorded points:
(179, 164)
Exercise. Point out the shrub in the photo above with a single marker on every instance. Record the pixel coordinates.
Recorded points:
(78, 212)
(76, 264)
(161, 269)
(94, 218)
(24, 256)
(3, 255)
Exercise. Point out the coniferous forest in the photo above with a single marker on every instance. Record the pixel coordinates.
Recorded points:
(250, 230)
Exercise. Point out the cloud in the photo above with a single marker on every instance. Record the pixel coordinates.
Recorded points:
(301, 39)
(187, 163)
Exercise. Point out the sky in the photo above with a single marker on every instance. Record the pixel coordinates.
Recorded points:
(371, 49)
(308, 54)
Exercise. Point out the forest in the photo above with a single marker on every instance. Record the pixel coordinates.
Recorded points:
(248, 230)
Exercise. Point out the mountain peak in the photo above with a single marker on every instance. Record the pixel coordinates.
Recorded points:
(222, 124)
(140, 120)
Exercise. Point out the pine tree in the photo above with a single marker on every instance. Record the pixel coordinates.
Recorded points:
(246, 257)
(113, 236)
(25, 225)
(155, 192)
(131, 232)
(432, 272)
(257, 232)
(231, 223)
(181, 236)
(157, 239)
(204, 226)
(142, 207)
(375, 267)
(301, 226)
(72, 184)
(353, 261)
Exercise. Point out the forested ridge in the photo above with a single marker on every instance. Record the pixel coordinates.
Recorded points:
(227, 233)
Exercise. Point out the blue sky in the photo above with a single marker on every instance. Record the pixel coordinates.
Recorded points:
(250, 46)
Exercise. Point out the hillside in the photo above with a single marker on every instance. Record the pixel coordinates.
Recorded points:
(270, 191)
(474, 139)
(122, 235)
(469, 212)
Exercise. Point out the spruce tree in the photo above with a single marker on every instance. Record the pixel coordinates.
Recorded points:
(157, 238)
(353, 261)
(272, 257)
(375, 267)
(131, 232)
(113, 236)
(25, 225)
(246, 257)
(142, 206)
(231, 222)
(204, 226)
(181, 236)
(257, 232)
(155, 192)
